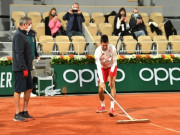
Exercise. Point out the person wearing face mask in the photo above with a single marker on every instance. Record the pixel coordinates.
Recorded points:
(75, 19)
(52, 24)
(22, 66)
(120, 24)
(137, 24)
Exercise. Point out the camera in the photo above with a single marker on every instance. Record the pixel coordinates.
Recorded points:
(74, 10)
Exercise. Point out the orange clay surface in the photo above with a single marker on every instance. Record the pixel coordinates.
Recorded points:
(75, 115)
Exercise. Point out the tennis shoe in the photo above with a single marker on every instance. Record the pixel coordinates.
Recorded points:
(111, 112)
(101, 109)
(19, 117)
(26, 115)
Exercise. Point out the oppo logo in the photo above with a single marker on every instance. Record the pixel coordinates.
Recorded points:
(92, 77)
(154, 74)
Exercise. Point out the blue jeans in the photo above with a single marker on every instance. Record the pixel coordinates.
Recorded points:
(74, 33)
(139, 33)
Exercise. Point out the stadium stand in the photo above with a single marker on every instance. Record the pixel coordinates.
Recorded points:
(79, 44)
(92, 28)
(35, 16)
(130, 44)
(175, 43)
(105, 28)
(161, 43)
(47, 44)
(16, 15)
(63, 44)
(145, 44)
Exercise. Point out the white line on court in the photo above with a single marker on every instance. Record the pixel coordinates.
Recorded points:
(155, 125)
(164, 128)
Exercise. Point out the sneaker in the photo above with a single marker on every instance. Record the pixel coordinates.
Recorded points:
(33, 95)
(100, 109)
(19, 117)
(111, 112)
(26, 115)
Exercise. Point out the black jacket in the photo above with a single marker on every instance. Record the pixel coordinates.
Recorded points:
(22, 53)
(135, 27)
(47, 29)
(117, 31)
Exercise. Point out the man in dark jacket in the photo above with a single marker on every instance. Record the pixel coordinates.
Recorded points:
(75, 19)
(22, 66)
(137, 24)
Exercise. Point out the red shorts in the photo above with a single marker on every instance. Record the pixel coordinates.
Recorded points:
(107, 72)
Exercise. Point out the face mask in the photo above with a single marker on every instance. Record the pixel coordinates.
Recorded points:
(136, 15)
(53, 15)
(29, 27)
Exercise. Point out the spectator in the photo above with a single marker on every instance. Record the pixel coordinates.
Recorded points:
(22, 66)
(52, 24)
(75, 19)
(137, 24)
(120, 24)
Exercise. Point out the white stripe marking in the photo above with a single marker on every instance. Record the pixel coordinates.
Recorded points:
(165, 128)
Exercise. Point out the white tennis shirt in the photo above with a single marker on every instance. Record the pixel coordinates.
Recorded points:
(105, 59)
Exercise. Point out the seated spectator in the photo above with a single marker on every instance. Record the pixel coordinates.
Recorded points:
(52, 24)
(120, 24)
(75, 19)
(137, 24)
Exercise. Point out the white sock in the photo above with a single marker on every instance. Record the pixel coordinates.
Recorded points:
(112, 105)
(102, 103)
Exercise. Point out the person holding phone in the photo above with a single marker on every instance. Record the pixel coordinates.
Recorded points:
(137, 24)
(120, 24)
(52, 24)
(75, 19)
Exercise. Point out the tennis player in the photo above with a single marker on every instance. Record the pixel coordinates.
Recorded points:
(106, 61)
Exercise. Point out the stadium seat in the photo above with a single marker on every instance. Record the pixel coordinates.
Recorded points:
(94, 14)
(113, 40)
(157, 17)
(161, 42)
(86, 17)
(63, 44)
(39, 29)
(98, 18)
(96, 40)
(92, 28)
(60, 16)
(111, 20)
(145, 43)
(161, 27)
(149, 32)
(143, 14)
(16, 15)
(175, 43)
(145, 19)
(47, 43)
(79, 44)
(45, 14)
(105, 28)
(130, 44)
(35, 16)
(128, 14)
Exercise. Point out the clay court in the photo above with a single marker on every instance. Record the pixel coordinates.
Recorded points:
(75, 115)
